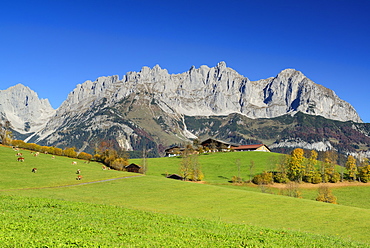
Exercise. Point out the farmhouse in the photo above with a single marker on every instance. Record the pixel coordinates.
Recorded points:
(258, 147)
(133, 168)
(220, 145)
(174, 151)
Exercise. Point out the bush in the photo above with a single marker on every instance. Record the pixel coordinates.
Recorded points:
(280, 177)
(325, 195)
(264, 178)
(84, 155)
(316, 178)
(236, 179)
(292, 190)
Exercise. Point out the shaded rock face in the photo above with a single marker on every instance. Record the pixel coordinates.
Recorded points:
(153, 95)
(23, 108)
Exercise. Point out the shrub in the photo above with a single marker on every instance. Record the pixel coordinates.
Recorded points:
(84, 155)
(316, 178)
(292, 190)
(264, 178)
(280, 177)
(325, 195)
(236, 179)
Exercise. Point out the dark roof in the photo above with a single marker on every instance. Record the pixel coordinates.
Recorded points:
(175, 176)
(133, 165)
(219, 141)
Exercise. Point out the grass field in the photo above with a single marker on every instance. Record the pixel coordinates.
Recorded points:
(197, 213)
(218, 168)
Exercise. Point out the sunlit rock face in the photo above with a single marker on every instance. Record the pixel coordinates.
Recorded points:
(22, 107)
(95, 107)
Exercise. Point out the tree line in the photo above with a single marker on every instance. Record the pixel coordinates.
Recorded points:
(304, 166)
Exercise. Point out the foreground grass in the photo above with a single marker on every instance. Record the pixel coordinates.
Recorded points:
(37, 222)
(161, 195)
(155, 193)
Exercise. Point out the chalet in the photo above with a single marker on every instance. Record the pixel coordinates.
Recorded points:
(258, 147)
(175, 176)
(215, 144)
(133, 168)
(174, 151)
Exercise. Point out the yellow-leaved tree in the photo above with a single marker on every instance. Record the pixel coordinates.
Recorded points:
(296, 165)
(351, 167)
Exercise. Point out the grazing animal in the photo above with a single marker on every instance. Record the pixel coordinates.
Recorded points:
(21, 159)
(79, 177)
(36, 154)
(52, 157)
(19, 154)
(34, 170)
(78, 171)
(103, 167)
(74, 162)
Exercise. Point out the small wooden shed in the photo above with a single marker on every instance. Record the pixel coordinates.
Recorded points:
(175, 176)
(133, 168)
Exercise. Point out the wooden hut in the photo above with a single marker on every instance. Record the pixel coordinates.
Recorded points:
(133, 168)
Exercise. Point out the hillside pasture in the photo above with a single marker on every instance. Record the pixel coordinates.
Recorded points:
(186, 199)
(216, 208)
(51, 172)
(218, 168)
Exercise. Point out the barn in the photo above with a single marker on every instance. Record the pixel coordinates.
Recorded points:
(133, 168)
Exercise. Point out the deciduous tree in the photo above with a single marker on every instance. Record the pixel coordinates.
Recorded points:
(351, 167)
(296, 165)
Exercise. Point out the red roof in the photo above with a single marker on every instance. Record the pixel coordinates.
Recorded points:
(245, 147)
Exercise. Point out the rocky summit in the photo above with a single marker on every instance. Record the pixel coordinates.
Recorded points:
(150, 107)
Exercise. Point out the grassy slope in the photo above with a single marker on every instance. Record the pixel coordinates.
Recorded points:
(211, 202)
(51, 172)
(36, 222)
(218, 168)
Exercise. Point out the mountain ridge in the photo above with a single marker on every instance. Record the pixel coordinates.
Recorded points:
(109, 103)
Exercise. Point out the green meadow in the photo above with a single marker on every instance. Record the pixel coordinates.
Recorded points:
(120, 209)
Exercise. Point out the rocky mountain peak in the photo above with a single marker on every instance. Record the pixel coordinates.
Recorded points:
(22, 107)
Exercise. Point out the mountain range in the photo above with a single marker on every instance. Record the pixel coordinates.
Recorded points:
(154, 109)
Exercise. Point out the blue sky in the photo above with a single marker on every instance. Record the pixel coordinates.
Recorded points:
(51, 46)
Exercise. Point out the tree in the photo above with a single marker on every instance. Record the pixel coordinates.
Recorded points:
(190, 168)
(251, 167)
(296, 165)
(144, 161)
(237, 179)
(365, 170)
(325, 195)
(351, 167)
(330, 160)
(282, 169)
(310, 167)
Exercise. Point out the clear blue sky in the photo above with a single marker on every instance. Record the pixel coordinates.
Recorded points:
(53, 45)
